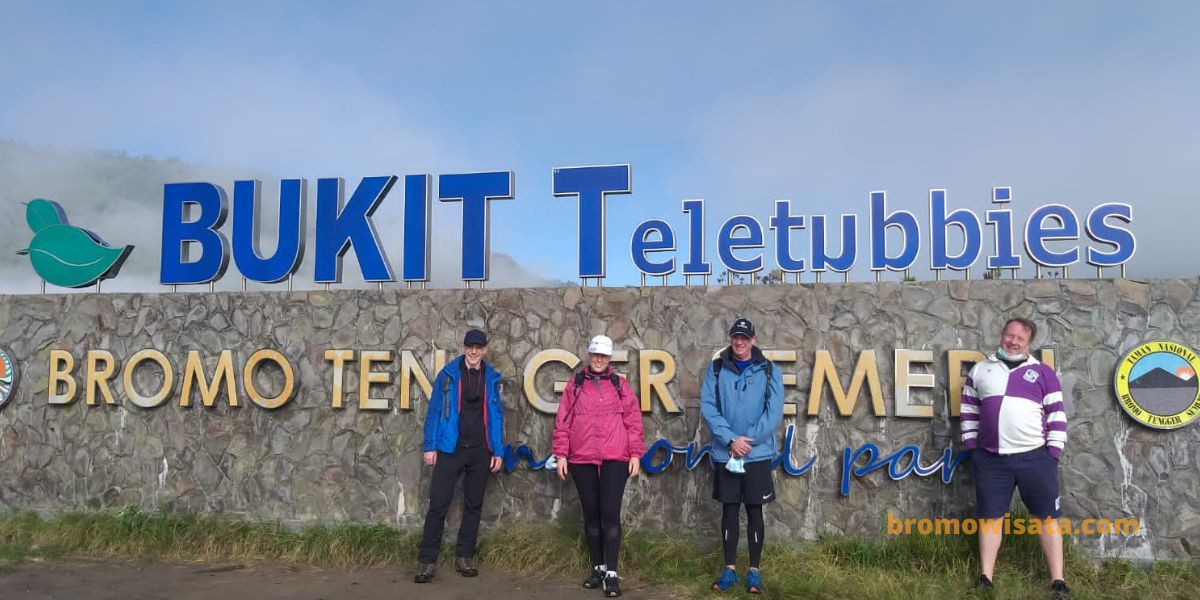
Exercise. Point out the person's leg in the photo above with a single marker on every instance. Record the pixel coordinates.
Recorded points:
(613, 475)
(994, 483)
(587, 483)
(474, 485)
(729, 532)
(755, 530)
(441, 492)
(1052, 547)
(1037, 479)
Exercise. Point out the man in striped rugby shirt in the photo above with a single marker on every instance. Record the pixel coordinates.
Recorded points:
(1014, 425)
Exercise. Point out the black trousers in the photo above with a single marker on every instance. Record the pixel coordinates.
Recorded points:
(472, 463)
(600, 490)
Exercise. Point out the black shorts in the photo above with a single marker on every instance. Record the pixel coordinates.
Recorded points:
(755, 486)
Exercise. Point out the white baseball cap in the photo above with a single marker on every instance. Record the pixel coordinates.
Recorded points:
(601, 344)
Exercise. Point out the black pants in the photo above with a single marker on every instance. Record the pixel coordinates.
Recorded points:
(600, 490)
(755, 529)
(473, 462)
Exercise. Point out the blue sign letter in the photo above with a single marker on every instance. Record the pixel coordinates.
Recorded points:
(1002, 219)
(475, 190)
(180, 231)
(1122, 239)
(820, 255)
(591, 184)
(289, 250)
(416, 227)
(1037, 234)
(753, 239)
(783, 223)
(340, 228)
(962, 218)
(910, 235)
(643, 245)
(696, 265)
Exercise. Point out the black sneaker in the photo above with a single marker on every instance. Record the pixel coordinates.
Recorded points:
(1059, 590)
(424, 573)
(984, 584)
(465, 565)
(595, 578)
(612, 587)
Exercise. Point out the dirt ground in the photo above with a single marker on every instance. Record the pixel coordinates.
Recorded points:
(71, 579)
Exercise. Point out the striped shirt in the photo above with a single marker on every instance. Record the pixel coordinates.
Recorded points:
(1006, 411)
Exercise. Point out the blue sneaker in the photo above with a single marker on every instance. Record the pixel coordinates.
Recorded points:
(727, 580)
(754, 582)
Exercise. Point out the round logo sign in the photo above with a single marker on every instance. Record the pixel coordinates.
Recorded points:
(8, 376)
(1156, 384)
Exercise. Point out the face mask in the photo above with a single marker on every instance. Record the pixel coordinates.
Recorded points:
(1003, 356)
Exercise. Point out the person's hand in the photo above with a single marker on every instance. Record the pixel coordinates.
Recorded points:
(430, 458)
(562, 468)
(635, 467)
(740, 446)
(496, 464)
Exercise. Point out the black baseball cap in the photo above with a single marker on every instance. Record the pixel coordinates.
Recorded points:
(475, 337)
(742, 327)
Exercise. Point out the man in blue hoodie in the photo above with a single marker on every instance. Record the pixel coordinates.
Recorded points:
(464, 435)
(742, 403)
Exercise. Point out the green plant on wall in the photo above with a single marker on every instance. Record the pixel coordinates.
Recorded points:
(65, 255)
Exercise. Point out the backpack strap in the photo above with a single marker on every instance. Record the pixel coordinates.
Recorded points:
(613, 378)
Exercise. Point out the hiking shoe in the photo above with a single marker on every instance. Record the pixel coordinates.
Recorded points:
(984, 584)
(424, 573)
(754, 582)
(611, 585)
(1059, 590)
(727, 580)
(465, 565)
(595, 578)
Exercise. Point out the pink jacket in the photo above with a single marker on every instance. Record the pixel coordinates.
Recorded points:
(595, 423)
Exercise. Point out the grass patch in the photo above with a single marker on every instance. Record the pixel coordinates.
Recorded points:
(829, 567)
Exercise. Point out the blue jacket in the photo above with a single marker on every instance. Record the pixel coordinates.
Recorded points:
(751, 405)
(441, 420)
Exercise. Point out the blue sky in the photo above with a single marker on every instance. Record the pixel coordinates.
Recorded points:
(740, 104)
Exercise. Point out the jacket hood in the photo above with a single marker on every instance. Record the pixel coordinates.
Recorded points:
(727, 360)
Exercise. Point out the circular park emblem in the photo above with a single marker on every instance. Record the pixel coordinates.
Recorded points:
(8, 376)
(1156, 384)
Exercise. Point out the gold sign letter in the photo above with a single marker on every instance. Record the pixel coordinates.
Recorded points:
(98, 377)
(823, 371)
(194, 371)
(61, 365)
(288, 379)
(168, 378)
(906, 379)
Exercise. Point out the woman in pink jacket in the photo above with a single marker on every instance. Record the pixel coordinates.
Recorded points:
(598, 438)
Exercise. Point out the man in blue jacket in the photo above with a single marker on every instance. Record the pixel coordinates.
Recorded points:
(464, 435)
(742, 403)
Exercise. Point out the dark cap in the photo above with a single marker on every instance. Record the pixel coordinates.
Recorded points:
(475, 337)
(742, 327)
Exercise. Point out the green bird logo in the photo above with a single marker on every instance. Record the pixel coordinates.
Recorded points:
(65, 255)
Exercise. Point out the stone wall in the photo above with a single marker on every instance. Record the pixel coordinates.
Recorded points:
(309, 462)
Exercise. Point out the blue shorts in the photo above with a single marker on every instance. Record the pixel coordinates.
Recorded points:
(1035, 473)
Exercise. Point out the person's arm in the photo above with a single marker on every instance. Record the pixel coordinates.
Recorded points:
(722, 433)
(767, 425)
(1056, 416)
(632, 417)
(498, 439)
(433, 419)
(969, 412)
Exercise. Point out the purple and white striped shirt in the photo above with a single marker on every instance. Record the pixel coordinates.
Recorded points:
(1009, 411)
